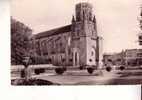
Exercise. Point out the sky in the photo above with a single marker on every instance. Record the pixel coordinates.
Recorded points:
(117, 20)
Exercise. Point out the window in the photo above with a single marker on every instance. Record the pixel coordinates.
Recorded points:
(109, 60)
(60, 44)
(93, 39)
(77, 32)
(90, 16)
(140, 37)
(63, 60)
(76, 56)
(45, 53)
(52, 52)
(70, 60)
(90, 60)
(69, 51)
(139, 54)
(49, 60)
(118, 59)
(92, 53)
(78, 16)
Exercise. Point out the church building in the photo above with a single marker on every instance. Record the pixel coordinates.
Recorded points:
(76, 44)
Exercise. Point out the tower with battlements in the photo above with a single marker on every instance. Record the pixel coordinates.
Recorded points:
(84, 36)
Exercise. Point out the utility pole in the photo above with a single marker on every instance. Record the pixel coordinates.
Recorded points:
(140, 34)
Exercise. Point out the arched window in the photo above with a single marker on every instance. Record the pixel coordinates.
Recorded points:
(76, 56)
(90, 16)
(92, 53)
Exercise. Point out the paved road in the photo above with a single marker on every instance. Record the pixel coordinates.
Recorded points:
(81, 77)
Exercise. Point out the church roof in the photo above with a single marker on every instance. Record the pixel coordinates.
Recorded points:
(52, 32)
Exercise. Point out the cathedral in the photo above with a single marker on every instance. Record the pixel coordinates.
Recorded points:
(73, 45)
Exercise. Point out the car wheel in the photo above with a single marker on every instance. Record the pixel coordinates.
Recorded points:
(37, 71)
(59, 71)
(108, 69)
(81, 67)
(122, 68)
(90, 70)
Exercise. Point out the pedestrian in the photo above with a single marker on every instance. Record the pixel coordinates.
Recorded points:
(27, 69)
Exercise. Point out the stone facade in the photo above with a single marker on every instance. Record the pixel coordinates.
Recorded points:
(76, 44)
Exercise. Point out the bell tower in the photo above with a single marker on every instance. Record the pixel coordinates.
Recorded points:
(84, 35)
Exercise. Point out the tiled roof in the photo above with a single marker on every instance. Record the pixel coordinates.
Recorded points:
(53, 32)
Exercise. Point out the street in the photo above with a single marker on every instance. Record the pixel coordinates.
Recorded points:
(99, 77)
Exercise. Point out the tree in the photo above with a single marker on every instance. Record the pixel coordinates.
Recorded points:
(20, 41)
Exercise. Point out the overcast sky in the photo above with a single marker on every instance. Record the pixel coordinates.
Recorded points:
(117, 20)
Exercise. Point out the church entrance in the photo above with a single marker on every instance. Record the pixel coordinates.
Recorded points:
(76, 59)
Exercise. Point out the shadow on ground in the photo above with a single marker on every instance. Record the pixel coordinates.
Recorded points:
(126, 82)
(127, 74)
(32, 82)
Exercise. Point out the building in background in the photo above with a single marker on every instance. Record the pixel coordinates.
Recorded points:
(76, 44)
(113, 59)
(129, 57)
(133, 57)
